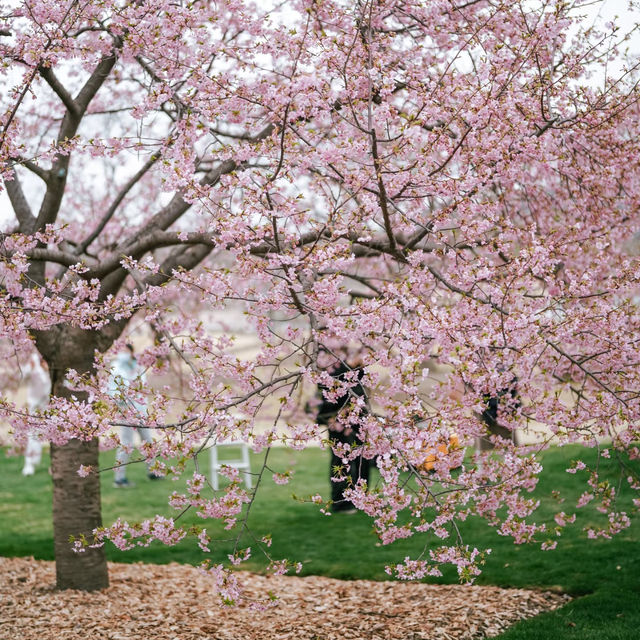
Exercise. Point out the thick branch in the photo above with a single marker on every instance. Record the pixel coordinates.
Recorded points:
(70, 123)
(158, 239)
(189, 257)
(151, 236)
(95, 81)
(19, 203)
(379, 244)
(179, 206)
(43, 174)
(147, 243)
(52, 80)
(183, 258)
(135, 251)
(54, 255)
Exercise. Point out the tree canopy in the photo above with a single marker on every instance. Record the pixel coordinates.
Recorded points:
(404, 183)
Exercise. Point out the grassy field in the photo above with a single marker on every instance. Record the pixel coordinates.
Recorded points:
(605, 574)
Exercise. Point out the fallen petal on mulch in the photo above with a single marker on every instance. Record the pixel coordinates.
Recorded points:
(175, 602)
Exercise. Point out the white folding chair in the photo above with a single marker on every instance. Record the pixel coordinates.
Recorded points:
(242, 463)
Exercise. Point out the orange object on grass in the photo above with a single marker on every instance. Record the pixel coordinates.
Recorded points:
(429, 462)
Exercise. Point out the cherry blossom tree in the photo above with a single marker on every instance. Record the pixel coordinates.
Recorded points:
(404, 181)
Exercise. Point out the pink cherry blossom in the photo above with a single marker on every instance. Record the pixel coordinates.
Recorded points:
(443, 197)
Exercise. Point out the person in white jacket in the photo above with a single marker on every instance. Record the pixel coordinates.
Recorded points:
(38, 384)
(125, 371)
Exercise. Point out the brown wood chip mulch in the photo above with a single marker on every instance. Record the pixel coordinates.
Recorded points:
(175, 602)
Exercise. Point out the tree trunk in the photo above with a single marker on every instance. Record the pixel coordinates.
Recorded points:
(76, 512)
(76, 500)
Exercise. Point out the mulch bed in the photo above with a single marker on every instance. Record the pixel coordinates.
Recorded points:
(175, 602)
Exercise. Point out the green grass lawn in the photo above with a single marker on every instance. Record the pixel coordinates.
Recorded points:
(605, 574)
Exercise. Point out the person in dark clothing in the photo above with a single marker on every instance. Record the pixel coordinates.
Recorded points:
(358, 468)
(505, 399)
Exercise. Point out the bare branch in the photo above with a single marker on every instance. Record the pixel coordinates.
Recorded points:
(467, 294)
(251, 137)
(116, 203)
(54, 255)
(52, 80)
(586, 371)
(453, 153)
(43, 174)
(382, 192)
(420, 235)
(102, 269)
(260, 389)
(19, 203)
(352, 276)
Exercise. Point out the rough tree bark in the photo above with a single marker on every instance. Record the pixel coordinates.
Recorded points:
(76, 511)
(76, 500)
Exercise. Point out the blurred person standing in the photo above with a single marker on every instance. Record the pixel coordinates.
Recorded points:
(36, 377)
(125, 373)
